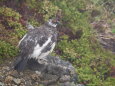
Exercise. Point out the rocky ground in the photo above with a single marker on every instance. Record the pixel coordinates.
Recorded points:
(52, 75)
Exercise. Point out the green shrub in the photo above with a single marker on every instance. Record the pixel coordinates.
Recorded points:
(7, 50)
(113, 30)
(9, 13)
(11, 31)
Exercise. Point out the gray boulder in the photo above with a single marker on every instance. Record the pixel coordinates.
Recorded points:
(54, 71)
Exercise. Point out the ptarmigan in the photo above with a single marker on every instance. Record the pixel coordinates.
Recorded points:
(37, 44)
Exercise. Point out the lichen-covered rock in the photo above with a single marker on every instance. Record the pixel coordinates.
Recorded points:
(54, 70)
(1, 84)
(17, 81)
(8, 79)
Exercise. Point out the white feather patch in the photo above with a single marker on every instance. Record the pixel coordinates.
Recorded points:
(38, 49)
(52, 47)
(43, 55)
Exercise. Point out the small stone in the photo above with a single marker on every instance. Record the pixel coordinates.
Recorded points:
(8, 79)
(1, 84)
(37, 72)
(80, 85)
(13, 73)
(17, 81)
(21, 73)
(22, 84)
(1, 77)
(64, 78)
(35, 76)
(69, 84)
(5, 68)
(28, 83)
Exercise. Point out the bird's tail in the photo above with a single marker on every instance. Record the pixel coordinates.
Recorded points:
(20, 64)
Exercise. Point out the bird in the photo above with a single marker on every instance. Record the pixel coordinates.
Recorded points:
(37, 43)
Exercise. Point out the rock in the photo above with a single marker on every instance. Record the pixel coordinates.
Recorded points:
(1, 77)
(35, 77)
(16, 81)
(53, 71)
(13, 73)
(8, 79)
(64, 78)
(67, 84)
(1, 84)
(28, 83)
(80, 85)
(6, 68)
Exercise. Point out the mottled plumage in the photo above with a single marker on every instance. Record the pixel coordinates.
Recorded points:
(36, 44)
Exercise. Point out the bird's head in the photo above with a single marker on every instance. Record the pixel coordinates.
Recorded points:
(55, 21)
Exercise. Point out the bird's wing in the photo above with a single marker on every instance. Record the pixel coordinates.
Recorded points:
(31, 46)
(33, 40)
